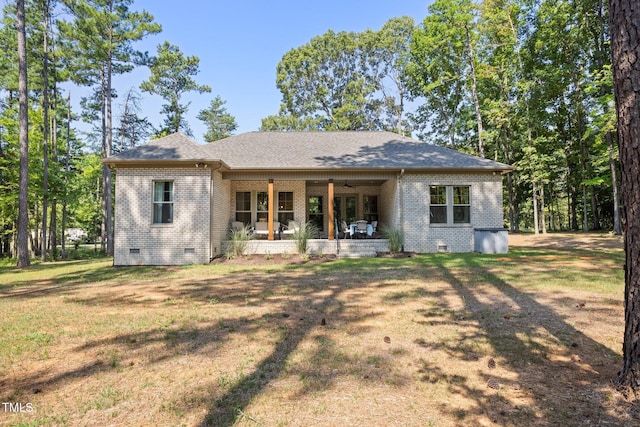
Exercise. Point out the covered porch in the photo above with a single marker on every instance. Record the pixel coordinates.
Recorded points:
(274, 206)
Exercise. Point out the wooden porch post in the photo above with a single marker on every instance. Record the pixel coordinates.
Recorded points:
(270, 210)
(331, 217)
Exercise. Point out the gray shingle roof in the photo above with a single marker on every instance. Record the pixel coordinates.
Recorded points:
(310, 150)
(176, 146)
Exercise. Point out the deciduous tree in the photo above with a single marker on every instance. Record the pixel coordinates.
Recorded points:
(325, 81)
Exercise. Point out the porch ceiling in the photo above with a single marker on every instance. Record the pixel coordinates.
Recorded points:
(347, 183)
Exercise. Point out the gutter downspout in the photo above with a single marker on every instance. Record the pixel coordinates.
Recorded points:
(401, 206)
(212, 252)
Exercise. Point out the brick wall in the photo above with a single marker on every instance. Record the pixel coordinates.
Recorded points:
(388, 204)
(140, 242)
(204, 204)
(221, 209)
(421, 236)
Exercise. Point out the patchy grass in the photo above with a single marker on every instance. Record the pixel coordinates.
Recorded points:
(532, 337)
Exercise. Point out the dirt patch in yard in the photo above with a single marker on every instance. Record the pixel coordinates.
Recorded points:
(587, 241)
(530, 338)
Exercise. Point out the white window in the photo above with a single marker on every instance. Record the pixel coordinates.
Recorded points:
(163, 202)
(285, 207)
(243, 207)
(450, 204)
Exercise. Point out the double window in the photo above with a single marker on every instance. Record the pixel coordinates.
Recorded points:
(450, 204)
(163, 202)
(251, 205)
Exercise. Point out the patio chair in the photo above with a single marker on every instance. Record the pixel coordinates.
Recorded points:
(374, 228)
(262, 228)
(361, 228)
(291, 228)
(346, 230)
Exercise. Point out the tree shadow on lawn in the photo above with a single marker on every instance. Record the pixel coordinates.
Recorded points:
(57, 278)
(326, 361)
(564, 372)
(297, 298)
(300, 302)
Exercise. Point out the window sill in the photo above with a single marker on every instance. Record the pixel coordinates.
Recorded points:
(466, 225)
(162, 225)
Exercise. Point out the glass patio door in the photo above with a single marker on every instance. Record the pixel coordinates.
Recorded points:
(345, 208)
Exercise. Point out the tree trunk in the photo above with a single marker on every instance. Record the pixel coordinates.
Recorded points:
(23, 203)
(35, 235)
(536, 227)
(474, 91)
(66, 178)
(106, 170)
(53, 223)
(573, 206)
(543, 219)
(617, 224)
(585, 211)
(625, 33)
(45, 133)
(595, 212)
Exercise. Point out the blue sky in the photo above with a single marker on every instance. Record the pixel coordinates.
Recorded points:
(240, 43)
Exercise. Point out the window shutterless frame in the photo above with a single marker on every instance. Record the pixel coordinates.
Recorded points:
(243, 207)
(450, 204)
(163, 202)
(438, 208)
(461, 204)
(285, 206)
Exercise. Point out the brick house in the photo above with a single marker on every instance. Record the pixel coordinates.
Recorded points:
(175, 200)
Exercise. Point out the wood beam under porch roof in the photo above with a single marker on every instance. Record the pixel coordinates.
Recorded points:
(330, 195)
(270, 210)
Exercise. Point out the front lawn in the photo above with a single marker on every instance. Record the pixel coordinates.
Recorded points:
(532, 337)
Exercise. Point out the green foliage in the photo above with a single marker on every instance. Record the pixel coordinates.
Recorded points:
(439, 71)
(395, 237)
(220, 124)
(284, 121)
(102, 33)
(543, 78)
(171, 77)
(302, 235)
(238, 240)
(84, 194)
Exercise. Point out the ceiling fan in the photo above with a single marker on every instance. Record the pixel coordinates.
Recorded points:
(347, 185)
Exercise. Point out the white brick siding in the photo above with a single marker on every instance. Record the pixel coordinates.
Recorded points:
(185, 241)
(204, 205)
(388, 204)
(221, 212)
(316, 246)
(421, 236)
